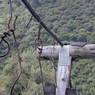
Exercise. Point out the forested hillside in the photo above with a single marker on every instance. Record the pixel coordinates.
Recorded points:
(70, 20)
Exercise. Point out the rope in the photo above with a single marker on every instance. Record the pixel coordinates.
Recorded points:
(29, 22)
(12, 28)
(5, 35)
(39, 60)
(39, 57)
(18, 55)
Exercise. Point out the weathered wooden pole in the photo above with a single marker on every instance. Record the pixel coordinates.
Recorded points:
(64, 68)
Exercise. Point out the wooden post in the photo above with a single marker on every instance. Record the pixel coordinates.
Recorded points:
(63, 73)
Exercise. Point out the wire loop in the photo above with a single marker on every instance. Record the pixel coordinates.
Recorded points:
(3, 39)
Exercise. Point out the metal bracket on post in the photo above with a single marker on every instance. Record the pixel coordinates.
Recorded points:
(64, 66)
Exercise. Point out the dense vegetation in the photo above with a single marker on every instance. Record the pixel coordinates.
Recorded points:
(71, 20)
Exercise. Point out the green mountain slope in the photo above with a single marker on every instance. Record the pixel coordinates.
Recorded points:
(70, 20)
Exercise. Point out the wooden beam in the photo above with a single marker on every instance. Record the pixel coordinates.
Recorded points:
(88, 51)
